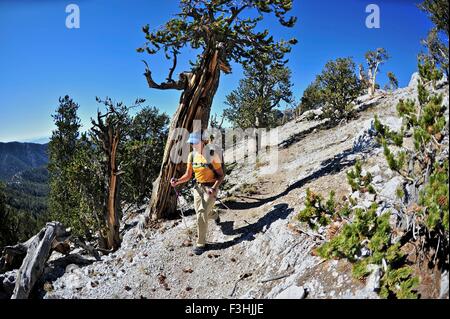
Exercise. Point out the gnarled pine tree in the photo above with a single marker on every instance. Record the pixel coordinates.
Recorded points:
(223, 31)
(107, 133)
(374, 60)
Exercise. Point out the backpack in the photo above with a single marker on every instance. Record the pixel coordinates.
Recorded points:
(209, 165)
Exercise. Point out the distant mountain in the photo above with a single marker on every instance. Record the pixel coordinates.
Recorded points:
(16, 157)
(40, 140)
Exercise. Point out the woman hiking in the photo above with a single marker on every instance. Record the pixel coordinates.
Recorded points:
(209, 175)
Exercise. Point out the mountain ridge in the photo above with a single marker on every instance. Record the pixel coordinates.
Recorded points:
(16, 157)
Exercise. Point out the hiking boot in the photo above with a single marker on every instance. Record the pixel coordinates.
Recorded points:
(199, 250)
(217, 221)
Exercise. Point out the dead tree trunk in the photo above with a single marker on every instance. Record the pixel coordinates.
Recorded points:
(37, 250)
(107, 134)
(371, 80)
(199, 89)
(113, 203)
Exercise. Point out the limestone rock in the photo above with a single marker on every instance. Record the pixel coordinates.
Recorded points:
(373, 281)
(391, 187)
(292, 292)
(414, 80)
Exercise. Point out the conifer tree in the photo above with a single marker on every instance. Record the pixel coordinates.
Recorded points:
(62, 148)
(142, 153)
(374, 60)
(437, 39)
(253, 103)
(340, 87)
(312, 98)
(425, 165)
(393, 82)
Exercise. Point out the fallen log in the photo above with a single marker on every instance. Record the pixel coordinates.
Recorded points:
(13, 256)
(37, 250)
(31, 256)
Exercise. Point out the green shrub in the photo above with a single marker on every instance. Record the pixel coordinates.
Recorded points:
(357, 181)
(319, 213)
(399, 282)
(434, 198)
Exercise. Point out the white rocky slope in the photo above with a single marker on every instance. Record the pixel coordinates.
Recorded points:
(258, 251)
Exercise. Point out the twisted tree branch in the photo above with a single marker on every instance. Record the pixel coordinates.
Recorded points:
(171, 84)
(169, 78)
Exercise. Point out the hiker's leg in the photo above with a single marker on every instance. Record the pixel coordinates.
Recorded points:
(197, 199)
(212, 213)
(202, 221)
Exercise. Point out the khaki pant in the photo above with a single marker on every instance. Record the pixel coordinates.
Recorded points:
(203, 204)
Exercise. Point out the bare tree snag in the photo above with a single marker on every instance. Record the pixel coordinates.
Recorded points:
(113, 214)
(374, 60)
(107, 132)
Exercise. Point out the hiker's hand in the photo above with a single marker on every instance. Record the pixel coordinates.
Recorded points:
(212, 192)
(173, 182)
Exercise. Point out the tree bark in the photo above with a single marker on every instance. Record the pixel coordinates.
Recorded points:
(113, 204)
(373, 77)
(195, 104)
(108, 133)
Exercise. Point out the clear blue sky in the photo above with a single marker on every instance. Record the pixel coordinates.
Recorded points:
(40, 59)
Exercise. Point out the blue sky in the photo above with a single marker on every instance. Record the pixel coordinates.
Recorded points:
(40, 59)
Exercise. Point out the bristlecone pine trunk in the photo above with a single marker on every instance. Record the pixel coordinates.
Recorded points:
(113, 238)
(195, 104)
(108, 135)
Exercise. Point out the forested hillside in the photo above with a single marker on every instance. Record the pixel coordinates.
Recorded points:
(17, 157)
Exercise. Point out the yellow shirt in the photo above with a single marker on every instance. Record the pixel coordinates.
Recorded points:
(203, 174)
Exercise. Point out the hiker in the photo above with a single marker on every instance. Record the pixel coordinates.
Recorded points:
(209, 175)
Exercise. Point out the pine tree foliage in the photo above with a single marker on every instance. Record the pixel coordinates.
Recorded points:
(312, 98)
(393, 82)
(335, 89)
(368, 231)
(63, 148)
(259, 96)
(426, 165)
(358, 181)
(437, 39)
(141, 153)
(206, 24)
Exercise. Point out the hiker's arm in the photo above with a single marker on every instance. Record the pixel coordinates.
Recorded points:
(219, 180)
(217, 164)
(186, 176)
(215, 188)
